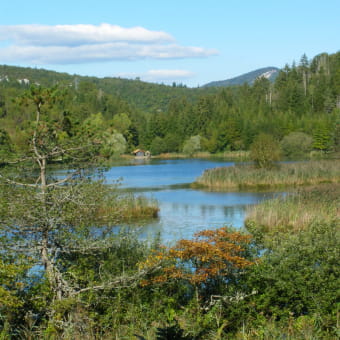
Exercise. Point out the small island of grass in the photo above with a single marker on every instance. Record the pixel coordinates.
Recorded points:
(247, 176)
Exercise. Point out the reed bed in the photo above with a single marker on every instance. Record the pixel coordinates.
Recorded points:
(127, 208)
(296, 211)
(245, 177)
(139, 207)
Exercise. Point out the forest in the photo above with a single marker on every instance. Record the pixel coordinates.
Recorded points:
(128, 114)
(67, 273)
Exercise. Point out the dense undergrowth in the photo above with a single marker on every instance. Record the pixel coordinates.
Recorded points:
(288, 290)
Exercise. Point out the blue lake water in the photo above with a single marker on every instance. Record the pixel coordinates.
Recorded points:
(183, 211)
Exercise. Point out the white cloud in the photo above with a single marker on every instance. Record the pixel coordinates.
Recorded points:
(160, 75)
(74, 44)
(75, 35)
(99, 52)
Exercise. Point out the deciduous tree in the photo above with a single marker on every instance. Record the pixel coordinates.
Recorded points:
(209, 255)
(265, 151)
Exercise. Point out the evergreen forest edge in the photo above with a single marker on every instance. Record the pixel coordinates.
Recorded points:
(127, 114)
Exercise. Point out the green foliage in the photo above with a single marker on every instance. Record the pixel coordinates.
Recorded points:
(322, 137)
(45, 219)
(94, 125)
(192, 145)
(173, 332)
(114, 144)
(5, 145)
(12, 283)
(296, 145)
(302, 98)
(297, 280)
(172, 142)
(265, 151)
(158, 146)
(121, 122)
(299, 274)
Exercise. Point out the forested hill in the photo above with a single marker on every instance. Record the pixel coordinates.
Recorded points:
(150, 97)
(249, 78)
(304, 98)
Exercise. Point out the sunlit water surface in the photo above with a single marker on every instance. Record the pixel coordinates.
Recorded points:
(183, 211)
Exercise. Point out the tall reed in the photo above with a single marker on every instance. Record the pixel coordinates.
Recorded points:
(243, 177)
(127, 207)
(296, 211)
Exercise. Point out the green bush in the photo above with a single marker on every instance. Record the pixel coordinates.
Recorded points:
(192, 145)
(157, 146)
(299, 275)
(114, 144)
(5, 144)
(265, 151)
(296, 145)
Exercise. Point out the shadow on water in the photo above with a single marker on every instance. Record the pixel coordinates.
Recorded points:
(154, 189)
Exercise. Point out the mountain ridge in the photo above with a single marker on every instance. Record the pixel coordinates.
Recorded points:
(269, 72)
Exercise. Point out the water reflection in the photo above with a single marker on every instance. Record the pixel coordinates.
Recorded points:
(183, 211)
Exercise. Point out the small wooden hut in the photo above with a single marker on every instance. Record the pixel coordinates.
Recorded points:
(140, 153)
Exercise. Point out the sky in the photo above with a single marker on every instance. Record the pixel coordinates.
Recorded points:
(191, 42)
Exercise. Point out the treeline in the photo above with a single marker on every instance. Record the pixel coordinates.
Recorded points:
(304, 99)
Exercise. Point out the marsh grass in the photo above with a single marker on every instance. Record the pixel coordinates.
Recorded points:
(296, 211)
(129, 208)
(139, 207)
(245, 177)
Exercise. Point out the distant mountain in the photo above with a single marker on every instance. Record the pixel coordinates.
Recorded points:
(267, 72)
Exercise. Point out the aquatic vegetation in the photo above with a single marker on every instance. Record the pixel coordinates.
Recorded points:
(128, 207)
(246, 176)
(296, 211)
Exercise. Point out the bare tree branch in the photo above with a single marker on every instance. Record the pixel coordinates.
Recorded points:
(66, 179)
(19, 183)
(120, 282)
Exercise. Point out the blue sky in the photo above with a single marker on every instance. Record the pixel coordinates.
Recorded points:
(187, 41)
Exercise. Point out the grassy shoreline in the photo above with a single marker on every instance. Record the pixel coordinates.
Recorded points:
(296, 211)
(245, 177)
(237, 156)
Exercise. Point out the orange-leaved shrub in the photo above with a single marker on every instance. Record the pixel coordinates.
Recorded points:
(210, 254)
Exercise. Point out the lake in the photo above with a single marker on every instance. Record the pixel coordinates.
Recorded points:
(183, 211)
